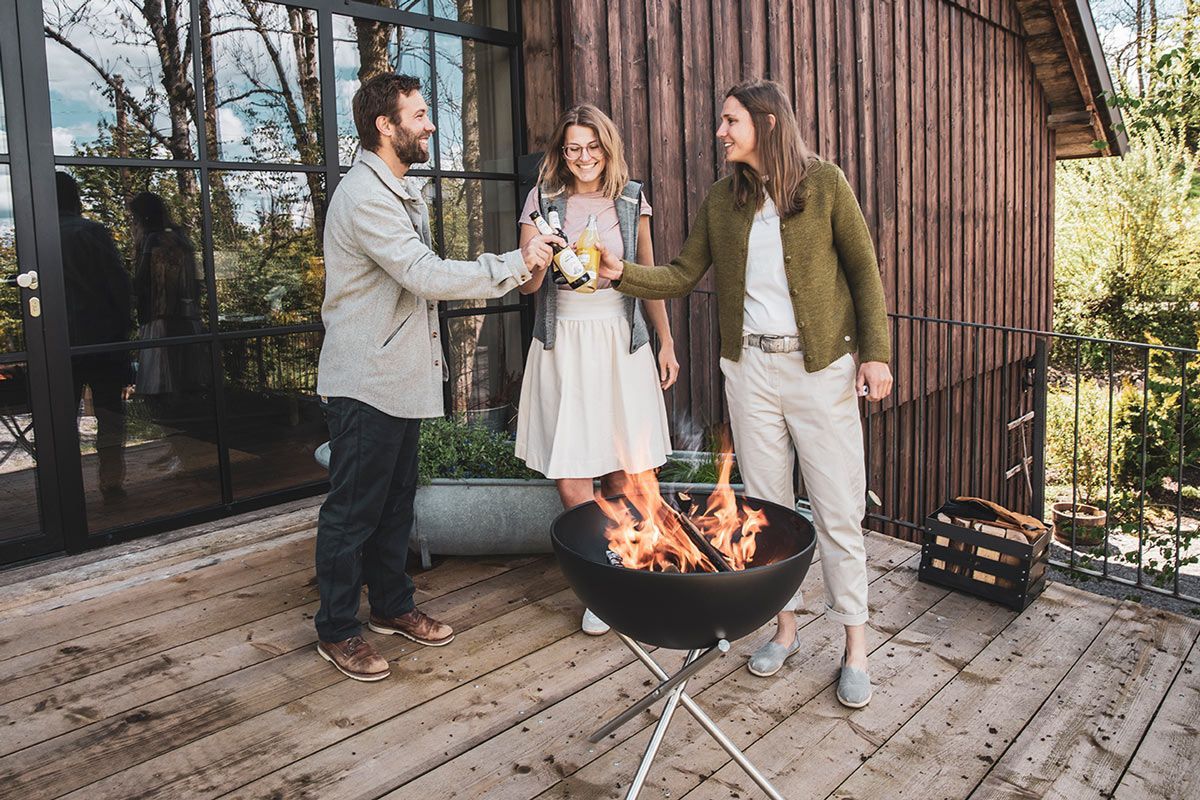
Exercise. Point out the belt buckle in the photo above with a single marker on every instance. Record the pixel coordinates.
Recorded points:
(772, 344)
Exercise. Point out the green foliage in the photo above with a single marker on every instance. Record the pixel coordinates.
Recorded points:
(451, 449)
(706, 470)
(1171, 99)
(1160, 433)
(1079, 454)
(1127, 251)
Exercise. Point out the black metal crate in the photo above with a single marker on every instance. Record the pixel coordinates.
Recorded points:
(975, 562)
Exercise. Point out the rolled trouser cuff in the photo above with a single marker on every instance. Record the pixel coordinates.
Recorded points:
(844, 618)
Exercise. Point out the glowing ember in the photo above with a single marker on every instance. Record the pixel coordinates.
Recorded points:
(646, 533)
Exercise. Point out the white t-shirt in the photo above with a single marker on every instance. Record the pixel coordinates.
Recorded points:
(768, 304)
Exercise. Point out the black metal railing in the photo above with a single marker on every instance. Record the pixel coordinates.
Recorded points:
(1096, 436)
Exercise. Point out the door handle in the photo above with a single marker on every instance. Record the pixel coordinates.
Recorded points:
(28, 280)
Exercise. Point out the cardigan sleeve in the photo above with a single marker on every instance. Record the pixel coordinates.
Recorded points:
(856, 255)
(679, 277)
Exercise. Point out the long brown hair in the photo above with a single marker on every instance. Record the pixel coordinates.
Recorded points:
(555, 176)
(783, 154)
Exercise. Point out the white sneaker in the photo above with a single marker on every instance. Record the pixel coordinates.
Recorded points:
(593, 625)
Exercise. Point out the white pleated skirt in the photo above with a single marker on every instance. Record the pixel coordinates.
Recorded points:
(589, 406)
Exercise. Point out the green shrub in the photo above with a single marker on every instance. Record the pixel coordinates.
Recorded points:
(1164, 398)
(706, 470)
(451, 449)
(1090, 448)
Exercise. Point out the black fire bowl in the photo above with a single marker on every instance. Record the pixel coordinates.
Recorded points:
(685, 611)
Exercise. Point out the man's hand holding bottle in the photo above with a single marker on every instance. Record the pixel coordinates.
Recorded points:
(538, 252)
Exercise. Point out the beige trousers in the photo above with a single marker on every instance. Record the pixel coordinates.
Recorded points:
(777, 409)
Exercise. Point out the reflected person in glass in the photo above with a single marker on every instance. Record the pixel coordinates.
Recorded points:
(167, 284)
(99, 297)
(382, 368)
(590, 353)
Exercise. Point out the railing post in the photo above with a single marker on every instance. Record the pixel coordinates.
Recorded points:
(1041, 388)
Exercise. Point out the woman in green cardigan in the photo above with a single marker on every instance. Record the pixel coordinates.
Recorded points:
(798, 294)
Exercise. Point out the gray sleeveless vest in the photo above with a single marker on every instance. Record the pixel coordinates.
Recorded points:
(629, 208)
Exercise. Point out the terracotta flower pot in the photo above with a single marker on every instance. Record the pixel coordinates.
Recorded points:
(1088, 522)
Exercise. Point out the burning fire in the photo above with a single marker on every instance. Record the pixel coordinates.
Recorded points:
(647, 532)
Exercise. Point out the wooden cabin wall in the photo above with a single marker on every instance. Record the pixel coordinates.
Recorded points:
(931, 108)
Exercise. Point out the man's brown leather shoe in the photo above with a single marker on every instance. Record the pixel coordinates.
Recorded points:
(355, 658)
(416, 625)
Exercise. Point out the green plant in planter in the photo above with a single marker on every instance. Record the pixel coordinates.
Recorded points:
(451, 449)
(705, 471)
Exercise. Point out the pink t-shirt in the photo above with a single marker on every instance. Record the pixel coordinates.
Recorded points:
(579, 206)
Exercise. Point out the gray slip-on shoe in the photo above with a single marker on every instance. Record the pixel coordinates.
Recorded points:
(768, 659)
(593, 625)
(854, 687)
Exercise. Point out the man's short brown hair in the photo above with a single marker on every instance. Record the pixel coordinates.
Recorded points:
(377, 98)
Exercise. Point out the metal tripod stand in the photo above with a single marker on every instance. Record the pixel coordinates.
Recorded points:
(674, 687)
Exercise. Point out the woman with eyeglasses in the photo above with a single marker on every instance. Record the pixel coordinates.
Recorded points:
(592, 398)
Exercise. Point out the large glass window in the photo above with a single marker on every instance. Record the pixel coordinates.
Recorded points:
(194, 135)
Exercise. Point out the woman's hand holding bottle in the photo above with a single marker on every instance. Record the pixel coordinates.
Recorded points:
(611, 267)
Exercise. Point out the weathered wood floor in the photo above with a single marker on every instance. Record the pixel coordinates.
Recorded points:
(188, 670)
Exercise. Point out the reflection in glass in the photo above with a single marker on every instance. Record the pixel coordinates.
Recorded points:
(19, 512)
(474, 106)
(12, 326)
(364, 48)
(478, 217)
(262, 85)
(267, 249)
(3, 121)
(152, 217)
(274, 420)
(120, 78)
(150, 450)
(489, 13)
(486, 360)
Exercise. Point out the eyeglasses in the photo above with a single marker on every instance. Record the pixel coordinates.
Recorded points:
(574, 152)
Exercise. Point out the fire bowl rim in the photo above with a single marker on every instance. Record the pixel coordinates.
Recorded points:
(557, 541)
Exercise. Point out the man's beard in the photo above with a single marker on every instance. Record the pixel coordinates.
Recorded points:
(408, 148)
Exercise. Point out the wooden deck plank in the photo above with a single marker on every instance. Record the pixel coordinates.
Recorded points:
(1079, 744)
(74, 704)
(301, 731)
(95, 652)
(553, 744)
(44, 580)
(1164, 765)
(948, 746)
(107, 747)
(33, 628)
(745, 706)
(908, 670)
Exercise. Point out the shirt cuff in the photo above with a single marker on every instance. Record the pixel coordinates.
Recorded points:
(516, 265)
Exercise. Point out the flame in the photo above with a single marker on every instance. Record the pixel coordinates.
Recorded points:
(647, 533)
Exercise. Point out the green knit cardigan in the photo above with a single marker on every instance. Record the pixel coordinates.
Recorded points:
(832, 274)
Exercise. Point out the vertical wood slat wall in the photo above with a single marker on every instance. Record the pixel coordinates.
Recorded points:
(932, 109)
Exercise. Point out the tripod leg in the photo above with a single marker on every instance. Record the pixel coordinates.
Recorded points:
(730, 748)
(660, 730)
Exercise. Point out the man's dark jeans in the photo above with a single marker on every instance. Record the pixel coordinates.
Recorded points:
(365, 522)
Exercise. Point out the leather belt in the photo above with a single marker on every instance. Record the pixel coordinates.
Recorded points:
(772, 344)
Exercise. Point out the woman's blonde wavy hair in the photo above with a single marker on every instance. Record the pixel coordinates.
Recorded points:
(555, 176)
(782, 152)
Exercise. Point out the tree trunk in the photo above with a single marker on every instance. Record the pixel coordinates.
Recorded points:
(221, 205)
(181, 99)
(304, 42)
(372, 45)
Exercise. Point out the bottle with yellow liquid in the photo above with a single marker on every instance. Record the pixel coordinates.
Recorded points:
(588, 249)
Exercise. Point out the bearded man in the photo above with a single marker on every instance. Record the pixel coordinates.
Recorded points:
(382, 368)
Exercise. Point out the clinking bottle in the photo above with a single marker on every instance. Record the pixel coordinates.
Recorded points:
(566, 261)
(587, 247)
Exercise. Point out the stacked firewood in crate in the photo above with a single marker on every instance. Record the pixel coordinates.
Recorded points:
(982, 547)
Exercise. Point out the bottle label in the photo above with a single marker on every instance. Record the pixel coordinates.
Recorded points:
(570, 264)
